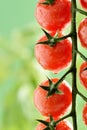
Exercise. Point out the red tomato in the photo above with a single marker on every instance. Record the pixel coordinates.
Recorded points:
(82, 32)
(84, 4)
(85, 114)
(53, 17)
(56, 104)
(83, 74)
(54, 58)
(63, 125)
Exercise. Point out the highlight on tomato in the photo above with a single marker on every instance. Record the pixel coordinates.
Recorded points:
(82, 32)
(54, 58)
(83, 74)
(53, 16)
(56, 104)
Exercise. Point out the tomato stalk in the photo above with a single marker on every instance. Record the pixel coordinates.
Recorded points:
(52, 40)
(74, 56)
(66, 116)
(81, 55)
(81, 11)
(63, 77)
(82, 96)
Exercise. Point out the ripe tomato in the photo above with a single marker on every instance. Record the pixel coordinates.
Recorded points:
(85, 114)
(56, 104)
(53, 17)
(82, 32)
(83, 74)
(63, 125)
(84, 4)
(54, 58)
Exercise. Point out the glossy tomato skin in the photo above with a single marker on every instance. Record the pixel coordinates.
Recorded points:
(83, 74)
(53, 17)
(54, 58)
(56, 104)
(84, 4)
(63, 125)
(82, 32)
(84, 115)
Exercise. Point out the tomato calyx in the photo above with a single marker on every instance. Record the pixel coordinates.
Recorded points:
(51, 41)
(48, 2)
(52, 88)
(49, 125)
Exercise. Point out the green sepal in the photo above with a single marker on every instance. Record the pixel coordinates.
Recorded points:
(49, 125)
(56, 86)
(51, 88)
(54, 89)
(48, 2)
(58, 92)
(50, 81)
(51, 92)
(51, 118)
(43, 122)
(45, 87)
(47, 34)
(47, 128)
(51, 41)
(44, 42)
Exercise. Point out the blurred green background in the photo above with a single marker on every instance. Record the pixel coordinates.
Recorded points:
(19, 71)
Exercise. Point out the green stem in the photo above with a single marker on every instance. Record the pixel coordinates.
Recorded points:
(63, 77)
(81, 55)
(82, 96)
(74, 56)
(81, 11)
(68, 115)
(64, 37)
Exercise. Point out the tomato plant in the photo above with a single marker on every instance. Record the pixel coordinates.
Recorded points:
(56, 57)
(56, 104)
(51, 16)
(54, 96)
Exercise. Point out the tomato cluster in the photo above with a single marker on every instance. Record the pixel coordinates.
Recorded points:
(54, 52)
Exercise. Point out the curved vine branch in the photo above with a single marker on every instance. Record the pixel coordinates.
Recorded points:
(81, 11)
